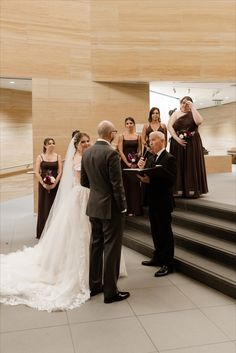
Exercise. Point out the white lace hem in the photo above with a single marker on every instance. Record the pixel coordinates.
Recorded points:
(46, 304)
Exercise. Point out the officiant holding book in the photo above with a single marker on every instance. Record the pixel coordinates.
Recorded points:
(160, 202)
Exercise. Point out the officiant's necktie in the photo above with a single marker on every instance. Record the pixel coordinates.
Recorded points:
(154, 160)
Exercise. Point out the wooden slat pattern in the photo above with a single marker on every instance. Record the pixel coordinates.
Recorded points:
(163, 40)
(16, 127)
(66, 46)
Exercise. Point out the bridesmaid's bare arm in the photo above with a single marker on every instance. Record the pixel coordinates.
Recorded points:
(171, 130)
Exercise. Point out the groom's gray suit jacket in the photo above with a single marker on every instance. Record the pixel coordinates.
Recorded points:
(101, 172)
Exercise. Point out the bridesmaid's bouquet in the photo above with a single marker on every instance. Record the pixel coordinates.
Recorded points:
(133, 158)
(185, 135)
(49, 179)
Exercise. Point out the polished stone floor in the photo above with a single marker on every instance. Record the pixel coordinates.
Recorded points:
(173, 314)
(222, 187)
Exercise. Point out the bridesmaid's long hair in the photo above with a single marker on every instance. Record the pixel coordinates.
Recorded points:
(150, 114)
(45, 142)
(130, 119)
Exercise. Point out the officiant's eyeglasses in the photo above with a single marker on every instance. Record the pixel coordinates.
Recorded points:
(115, 131)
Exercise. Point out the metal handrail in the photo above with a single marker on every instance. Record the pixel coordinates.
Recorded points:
(27, 165)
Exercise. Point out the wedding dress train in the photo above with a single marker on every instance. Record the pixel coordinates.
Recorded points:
(54, 274)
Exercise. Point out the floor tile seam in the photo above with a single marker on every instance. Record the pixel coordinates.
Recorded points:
(233, 304)
(33, 328)
(168, 312)
(197, 306)
(147, 334)
(70, 333)
(194, 346)
(181, 291)
(102, 320)
(162, 312)
(11, 236)
(214, 323)
(131, 308)
(213, 306)
(151, 287)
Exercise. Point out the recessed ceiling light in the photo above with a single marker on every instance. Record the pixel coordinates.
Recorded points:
(226, 97)
(201, 103)
(12, 82)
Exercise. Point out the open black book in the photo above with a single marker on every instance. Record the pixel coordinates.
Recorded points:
(157, 171)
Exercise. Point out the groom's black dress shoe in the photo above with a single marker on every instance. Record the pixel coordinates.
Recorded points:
(117, 298)
(150, 263)
(96, 291)
(163, 271)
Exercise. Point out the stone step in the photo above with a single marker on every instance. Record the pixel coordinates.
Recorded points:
(214, 248)
(213, 209)
(209, 271)
(222, 250)
(216, 227)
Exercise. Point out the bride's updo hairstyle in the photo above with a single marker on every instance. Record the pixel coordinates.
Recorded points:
(78, 136)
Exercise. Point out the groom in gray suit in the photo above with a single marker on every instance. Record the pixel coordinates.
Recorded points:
(101, 173)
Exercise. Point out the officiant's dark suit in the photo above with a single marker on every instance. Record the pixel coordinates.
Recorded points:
(160, 203)
(101, 173)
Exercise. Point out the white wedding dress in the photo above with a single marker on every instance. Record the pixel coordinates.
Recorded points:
(54, 274)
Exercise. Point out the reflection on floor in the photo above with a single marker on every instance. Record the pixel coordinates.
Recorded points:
(222, 187)
(173, 314)
(16, 186)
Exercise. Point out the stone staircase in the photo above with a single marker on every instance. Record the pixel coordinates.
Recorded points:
(205, 241)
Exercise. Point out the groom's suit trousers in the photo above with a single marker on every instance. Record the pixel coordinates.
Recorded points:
(106, 238)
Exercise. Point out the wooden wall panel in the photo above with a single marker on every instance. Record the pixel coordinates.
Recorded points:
(47, 37)
(67, 45)
(115, 102)
(15, 127)
(58, 114)
(218, 130)
(163, 40)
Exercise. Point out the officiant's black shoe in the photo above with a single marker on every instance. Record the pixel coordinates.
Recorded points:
(149, 263)
(117, 298)
(163, 271)
(96, 291)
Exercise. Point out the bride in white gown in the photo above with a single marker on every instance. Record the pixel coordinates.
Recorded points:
(54, 274)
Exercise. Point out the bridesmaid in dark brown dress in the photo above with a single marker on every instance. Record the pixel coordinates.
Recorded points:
(129, 147)
(154, 124)
(186, 146)
(47, 163)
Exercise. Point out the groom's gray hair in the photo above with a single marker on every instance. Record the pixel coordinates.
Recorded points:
(105, 127)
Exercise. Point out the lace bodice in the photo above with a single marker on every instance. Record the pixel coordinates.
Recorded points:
(76, 169)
